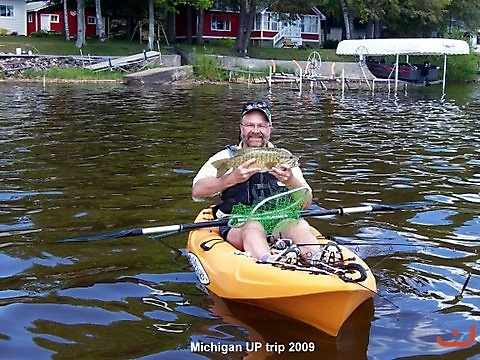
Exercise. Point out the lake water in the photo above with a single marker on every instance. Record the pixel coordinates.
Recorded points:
(84, 159)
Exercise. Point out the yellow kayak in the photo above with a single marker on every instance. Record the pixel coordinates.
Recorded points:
(323, 297)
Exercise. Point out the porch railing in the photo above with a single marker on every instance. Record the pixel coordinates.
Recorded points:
(287, 32)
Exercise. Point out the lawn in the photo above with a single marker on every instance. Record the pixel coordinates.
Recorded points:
(258, 52)
(56, 45)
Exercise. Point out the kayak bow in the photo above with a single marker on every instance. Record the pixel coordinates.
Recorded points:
(323, 297)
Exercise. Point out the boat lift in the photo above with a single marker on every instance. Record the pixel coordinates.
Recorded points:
(405, 46)
(309, 72)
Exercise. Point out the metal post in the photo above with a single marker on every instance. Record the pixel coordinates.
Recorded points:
(444, 72)
(396, 74)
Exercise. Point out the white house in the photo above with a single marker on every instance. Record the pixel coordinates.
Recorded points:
(13, 16)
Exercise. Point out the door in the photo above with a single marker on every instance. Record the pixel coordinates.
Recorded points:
(45, 22)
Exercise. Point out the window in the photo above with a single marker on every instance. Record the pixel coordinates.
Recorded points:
(54, 18)
(91, 20)
(221, 23)
(30, 18)
(270, 21)
(7, 11)
(310, 24)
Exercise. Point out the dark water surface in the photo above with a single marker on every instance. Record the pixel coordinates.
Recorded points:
(82, 159)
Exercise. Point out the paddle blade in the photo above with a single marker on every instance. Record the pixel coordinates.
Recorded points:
(104, 236)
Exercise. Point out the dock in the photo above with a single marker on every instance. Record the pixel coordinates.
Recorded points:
(124, 63)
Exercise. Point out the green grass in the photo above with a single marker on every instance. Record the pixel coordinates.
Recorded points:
(77, 74)
(55, 45)
(266, 52)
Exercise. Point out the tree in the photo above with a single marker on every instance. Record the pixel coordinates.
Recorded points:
(245, 25)
(463, 15)
(151, 24)
(200, 26)
(100, 23)
(65, 20)
(80, 24)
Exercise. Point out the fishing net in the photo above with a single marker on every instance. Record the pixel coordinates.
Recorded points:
(271, 212)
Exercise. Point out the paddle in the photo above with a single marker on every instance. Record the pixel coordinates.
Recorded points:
(174, 229)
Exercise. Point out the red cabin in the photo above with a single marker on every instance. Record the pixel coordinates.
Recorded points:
(44, 16)
(268, 30)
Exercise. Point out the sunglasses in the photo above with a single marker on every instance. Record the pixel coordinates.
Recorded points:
(254, 105)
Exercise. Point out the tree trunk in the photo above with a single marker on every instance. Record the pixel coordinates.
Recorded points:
(189, 25)
(100, 24)
(378, 29)
(248, 28)
(241, 25)
(346, 19)
(80, 24)
(129, 30)
(245, 26)
(170, 28)
(370, 29)
(151, 24)
(200, 26)
(65, 20)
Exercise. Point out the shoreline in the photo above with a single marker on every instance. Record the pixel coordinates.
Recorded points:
(25, 69)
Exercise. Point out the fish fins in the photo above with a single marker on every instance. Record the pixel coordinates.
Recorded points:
(221, 166)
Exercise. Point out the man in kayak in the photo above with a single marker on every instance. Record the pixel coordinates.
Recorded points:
(248, 184)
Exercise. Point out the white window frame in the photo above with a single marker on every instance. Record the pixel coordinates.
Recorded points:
(91, 20)
(269, 22)
(227, 24)
(54, 18)
(7, 11)
(310, 24)
(30, 18)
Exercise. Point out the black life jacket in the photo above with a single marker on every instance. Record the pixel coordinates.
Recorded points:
(258, 187)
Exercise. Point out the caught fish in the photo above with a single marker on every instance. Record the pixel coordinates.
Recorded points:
(265, 158)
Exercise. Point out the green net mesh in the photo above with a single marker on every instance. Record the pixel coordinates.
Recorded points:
(272, 211)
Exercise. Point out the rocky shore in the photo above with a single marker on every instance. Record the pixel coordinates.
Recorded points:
(15, 67)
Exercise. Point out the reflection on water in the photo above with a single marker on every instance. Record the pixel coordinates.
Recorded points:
(79, 159)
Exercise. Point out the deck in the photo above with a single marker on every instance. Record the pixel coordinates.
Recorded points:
(125, 62)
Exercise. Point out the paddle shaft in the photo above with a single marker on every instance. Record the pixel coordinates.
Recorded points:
(223, 221)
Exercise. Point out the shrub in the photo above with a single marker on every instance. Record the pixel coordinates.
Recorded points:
(226, 42)
(38, 34)
(462, 67)
(207, 67)
(330, 44)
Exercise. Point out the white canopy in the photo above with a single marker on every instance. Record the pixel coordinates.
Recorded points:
(402, 46)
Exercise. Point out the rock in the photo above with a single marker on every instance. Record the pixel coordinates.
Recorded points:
(15, 66)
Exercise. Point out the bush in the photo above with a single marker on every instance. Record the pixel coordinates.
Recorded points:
(43, 33)
(462, 67)
(226, 42)
(330, 44)
(39, 34)
(207, 67)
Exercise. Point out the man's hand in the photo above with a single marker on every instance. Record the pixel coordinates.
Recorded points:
(282, 173)
(243, 172)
